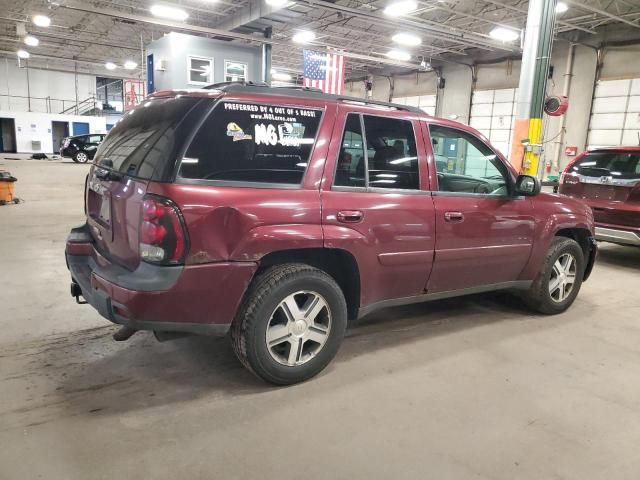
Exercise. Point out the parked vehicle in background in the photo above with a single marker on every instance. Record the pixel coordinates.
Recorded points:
(608, 180)
(81, 148)
(278, 214)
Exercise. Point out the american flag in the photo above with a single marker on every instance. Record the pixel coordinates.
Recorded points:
(324, 71)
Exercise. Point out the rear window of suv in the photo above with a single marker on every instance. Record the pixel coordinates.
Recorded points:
(146, 138)
(603, 164)
(253, 143)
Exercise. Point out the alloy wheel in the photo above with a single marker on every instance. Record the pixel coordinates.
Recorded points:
(563, 277)
(82, 157)
(298, 328)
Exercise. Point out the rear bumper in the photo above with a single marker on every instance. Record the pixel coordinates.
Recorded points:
(616, 235)
(200, 299)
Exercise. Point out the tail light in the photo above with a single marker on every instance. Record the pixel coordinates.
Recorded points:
(566, 177)
(163, 236)
(66, 142)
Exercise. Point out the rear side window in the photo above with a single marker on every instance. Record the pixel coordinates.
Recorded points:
(257, 143)
(145, 139)
(384, 158)
(603, 164)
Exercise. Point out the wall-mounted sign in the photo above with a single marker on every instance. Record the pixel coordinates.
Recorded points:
(571, 151)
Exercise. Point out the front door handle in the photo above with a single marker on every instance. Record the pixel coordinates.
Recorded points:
(454, 217)
(350, 216)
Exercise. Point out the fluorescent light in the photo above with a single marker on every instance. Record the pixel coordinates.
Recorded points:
(504, 34)
(23, 54)
(41, 20)
(276, 3)
(561, 7)
(110, 66)
(408, 39)
(304, 36)
(399, 55)
(31, 41)
(280, 76)
(402, 7)
(173, 13)
(129, 65)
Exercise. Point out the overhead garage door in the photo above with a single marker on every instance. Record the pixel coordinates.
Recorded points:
(427, 103)
(493, 113)
(615, 113)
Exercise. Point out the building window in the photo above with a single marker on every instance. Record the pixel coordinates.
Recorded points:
(200, 70)
(235, 71)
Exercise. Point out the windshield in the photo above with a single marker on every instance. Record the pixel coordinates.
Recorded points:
(615, 164)
(144, 140)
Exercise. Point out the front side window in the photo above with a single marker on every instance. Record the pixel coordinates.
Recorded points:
(465, 164)
(385, 157)
(258, 143)
(200, 70)
(235, 71)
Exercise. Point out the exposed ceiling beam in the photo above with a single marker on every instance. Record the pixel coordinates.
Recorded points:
(604, 13)
(216, 32)
(522, 10)
(443, 32)
(255, 10)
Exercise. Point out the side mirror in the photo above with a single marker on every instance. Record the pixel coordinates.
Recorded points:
(528, 186)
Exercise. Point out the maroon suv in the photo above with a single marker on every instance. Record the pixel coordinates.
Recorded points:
(608, 179)
(278, 214)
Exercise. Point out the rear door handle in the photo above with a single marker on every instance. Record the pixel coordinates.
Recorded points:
(350, 216)
(454, 217)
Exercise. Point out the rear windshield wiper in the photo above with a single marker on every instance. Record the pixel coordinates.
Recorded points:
(103, 172)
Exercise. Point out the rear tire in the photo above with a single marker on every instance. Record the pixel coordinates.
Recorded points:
(290, 324)
(557, 285)
(80, 157)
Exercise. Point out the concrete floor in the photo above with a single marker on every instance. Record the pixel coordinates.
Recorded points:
(473, 388)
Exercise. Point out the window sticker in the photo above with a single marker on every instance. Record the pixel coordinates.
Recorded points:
(273, 125)
(234, 131)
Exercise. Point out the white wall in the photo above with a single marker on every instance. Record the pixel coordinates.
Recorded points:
(36, 127)
(58, 86)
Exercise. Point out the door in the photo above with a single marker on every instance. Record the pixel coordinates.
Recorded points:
(7, 135)
(80, 128)
(59, 131)
(375, 203)
(150, 72)
(484, 234)
(609, 182)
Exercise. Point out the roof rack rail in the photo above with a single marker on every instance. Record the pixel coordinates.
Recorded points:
(406, 108)
(242, 83)
(301, 88)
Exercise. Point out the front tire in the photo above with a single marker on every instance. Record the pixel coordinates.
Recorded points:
(81, 157)
(290, 324)
(557, 286)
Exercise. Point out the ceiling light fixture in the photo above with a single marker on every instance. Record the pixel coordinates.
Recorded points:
(31, 41)
(23, 54)
(504, 34)
(407, 39)
(276, 3)
(130, 65)
(172, 13)
(403, 7)
(110, 66)
(41, 20)
(561, 7)
(304, 36)
(282, 77)
(399, 55)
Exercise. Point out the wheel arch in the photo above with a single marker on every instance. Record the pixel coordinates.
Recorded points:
(585, 239)
(340, 264)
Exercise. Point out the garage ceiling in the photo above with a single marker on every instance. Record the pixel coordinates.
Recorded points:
(94, 32)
